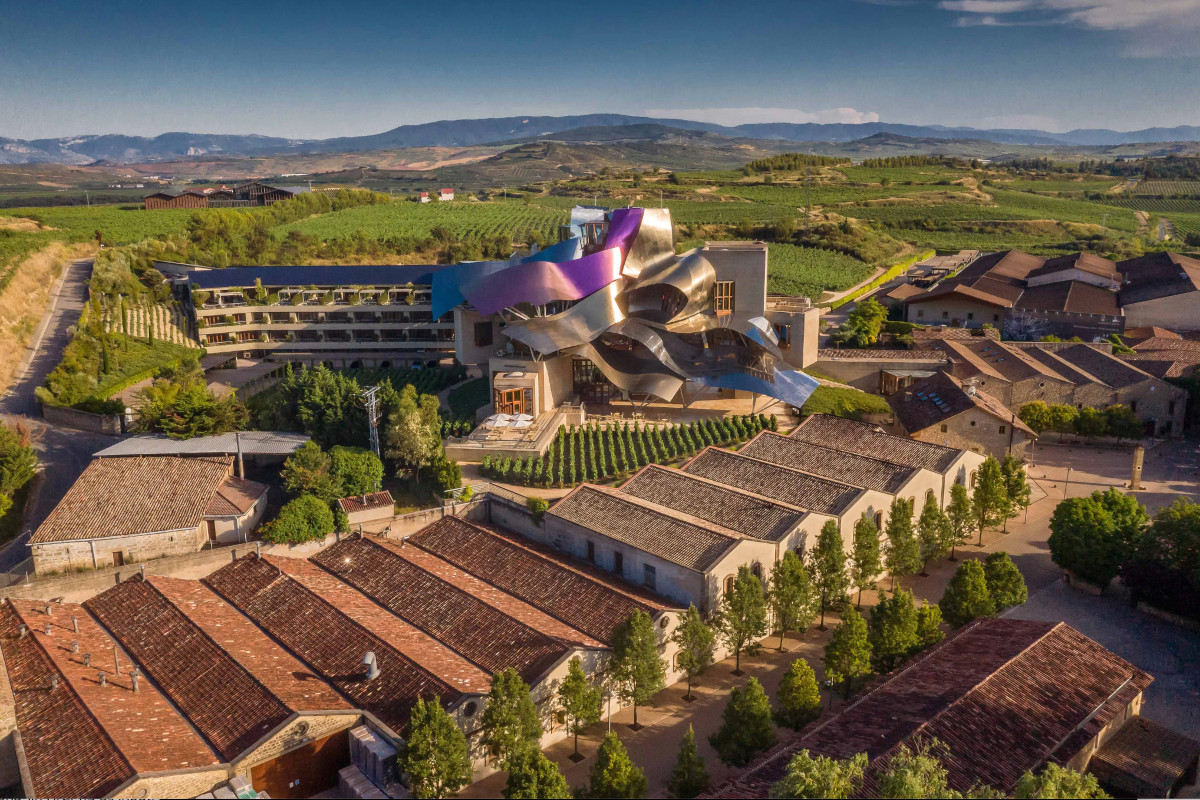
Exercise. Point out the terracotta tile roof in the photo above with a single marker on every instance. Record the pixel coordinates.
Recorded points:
(770, 480)
(1084, 262)
(224, 701)
(580, 595)
(905, 291)
(82, 739)
(1161, 343)
(1075, 297)
(1004, 695)
(748, 514)
(509, 604)
(837, 465)
(869, 440)
(932, 401)
(235, 497)
(679, 538)
(1004, 361)
(948, 333)
(276, 669)
(851, 354)
(997, 279)
(1106, 367)
(475, 630)
(1161, 364)
(121, 496)
(331, 627)
(1157, 275)
(1149, 332)
(1144, 758)
(373, 500)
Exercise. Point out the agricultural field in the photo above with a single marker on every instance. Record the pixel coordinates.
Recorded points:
(1061, 186)
(1168, 188)
(809, 271)
(118, 224)
(419, 219)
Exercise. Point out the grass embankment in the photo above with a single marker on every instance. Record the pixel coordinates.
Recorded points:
(24, 297)
(844, 402)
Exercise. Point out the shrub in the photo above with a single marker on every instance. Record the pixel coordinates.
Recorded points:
(304, 519)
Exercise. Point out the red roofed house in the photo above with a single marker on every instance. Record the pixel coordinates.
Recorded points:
(445, 194)
(424, 197)
(368, 507)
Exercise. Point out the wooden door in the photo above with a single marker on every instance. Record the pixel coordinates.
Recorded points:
(212, 529)
(118, 557)
(305, 771)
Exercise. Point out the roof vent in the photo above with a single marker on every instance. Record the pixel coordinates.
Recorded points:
(133, 677)
(87, 659)
(49, 628)
(49, 610)
(102, 678)
(908, 397)
(971, 390)
(372, 666)
(53, 681)
(74, 647)
(22, 630)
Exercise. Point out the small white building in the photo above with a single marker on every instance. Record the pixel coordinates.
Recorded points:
(365, 508)
(445, 194)
(424, 197)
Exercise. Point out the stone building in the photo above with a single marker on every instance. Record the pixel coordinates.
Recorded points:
(941, 410)
(1161, 289)
(125, 510)
(1005, 697)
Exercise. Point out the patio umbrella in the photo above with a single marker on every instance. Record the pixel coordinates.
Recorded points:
(498, 421)
(522, 418)
(521, 423)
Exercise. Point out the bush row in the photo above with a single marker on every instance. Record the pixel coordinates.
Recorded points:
(593, 453)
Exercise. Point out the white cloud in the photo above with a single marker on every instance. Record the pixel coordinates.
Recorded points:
(1153, 28)
(744, 115)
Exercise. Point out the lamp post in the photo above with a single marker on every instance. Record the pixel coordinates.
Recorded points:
(829, 688)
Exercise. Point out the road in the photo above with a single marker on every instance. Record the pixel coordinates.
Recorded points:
(63, 452)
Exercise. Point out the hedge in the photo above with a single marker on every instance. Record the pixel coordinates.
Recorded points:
(594, 453)
(895, 271)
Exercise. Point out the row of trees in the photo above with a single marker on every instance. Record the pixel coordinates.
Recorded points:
(18, 461)
(1064, 418)
(597, 452)
(916, 771)
(1109, 533)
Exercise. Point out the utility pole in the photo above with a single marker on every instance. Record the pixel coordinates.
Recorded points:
(372, 401)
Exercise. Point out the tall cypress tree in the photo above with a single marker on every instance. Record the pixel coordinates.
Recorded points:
(635, 666)
(827, 567)
(689, 778)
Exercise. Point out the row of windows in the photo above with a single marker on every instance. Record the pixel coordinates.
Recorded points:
(649, 573)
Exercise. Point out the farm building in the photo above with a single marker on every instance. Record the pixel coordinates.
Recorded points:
(243, 195)
(445, 194)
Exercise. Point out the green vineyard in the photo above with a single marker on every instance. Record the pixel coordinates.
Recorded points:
(1168, 188)
(514, 218)
(809, 271)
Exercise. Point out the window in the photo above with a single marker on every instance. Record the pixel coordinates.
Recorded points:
(723, 297)
(648, 576)
(513, 401)
(879, 520)
(729, 585)
(972, 483)
(1133, 406)
(1003, 428)
(591, 551)
(970, 315)
(945, 315)
(920, 312)
(483, 334)
(619, 563)
(945, 427)
(995, 317)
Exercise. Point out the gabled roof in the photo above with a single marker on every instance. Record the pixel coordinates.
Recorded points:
(126, 496)
(997, 279)
(1104, 366)
(1005, 696)
(235, 497)
(580, 595)
(1074, 297)
(671, 535)
(479, 632)
(357, 503)
(332, 627)
(870, 440)
(1084, 262)
(771, 480)
(815, 459)
(1157, 275)
(82, 739)
(741, 511)
(934, 400)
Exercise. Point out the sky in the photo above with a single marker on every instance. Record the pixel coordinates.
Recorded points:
(313, 70)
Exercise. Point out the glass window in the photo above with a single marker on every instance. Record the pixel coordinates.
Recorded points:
(723, 297)
(591, 551)
(483, 334)
(649, 578)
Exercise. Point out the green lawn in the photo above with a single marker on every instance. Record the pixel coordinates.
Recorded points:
(844, 402)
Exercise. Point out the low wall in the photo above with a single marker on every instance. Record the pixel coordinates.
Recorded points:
(83, 420)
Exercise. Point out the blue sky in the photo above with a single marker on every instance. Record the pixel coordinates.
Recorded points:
(310, 70)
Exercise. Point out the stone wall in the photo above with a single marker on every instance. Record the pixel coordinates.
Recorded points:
(57, 558)
(82, 420)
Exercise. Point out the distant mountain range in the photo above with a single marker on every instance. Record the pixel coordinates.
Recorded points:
(115, 148)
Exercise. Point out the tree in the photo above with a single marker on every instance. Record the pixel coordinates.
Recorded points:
(745, 725)
(413, 432)
(821, 777)
(434, 753)
(989, 501)
(309, 470)
(689, 778)
(798, 700)
(743, 614)
(866, 560)
(863, 325)
(447, 474)
(848, 653)
(892, 630)
(1016, 486)
(18, 458)
(966, 597)
(903, 555)
(1091, 422)
(613, 774)
(933, 532)
(1055, 782)
(1093, 536)
(531, 775)
(961, 515)
(1123, 423)
(915, 772)
(1174, 538)
(186, 409)
(929, 618)
(636, 668)
(304, 519)
(696, 644)
(360, 471)
(827, 566)
(791, 596)
(510, 723)
(1036, 415)
(1004, 582)
(580, 702)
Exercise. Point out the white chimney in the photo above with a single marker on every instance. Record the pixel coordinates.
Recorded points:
(372, 666)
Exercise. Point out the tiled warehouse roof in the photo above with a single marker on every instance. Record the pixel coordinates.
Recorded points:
(869, 440)
(770, 480)
(851, 468)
